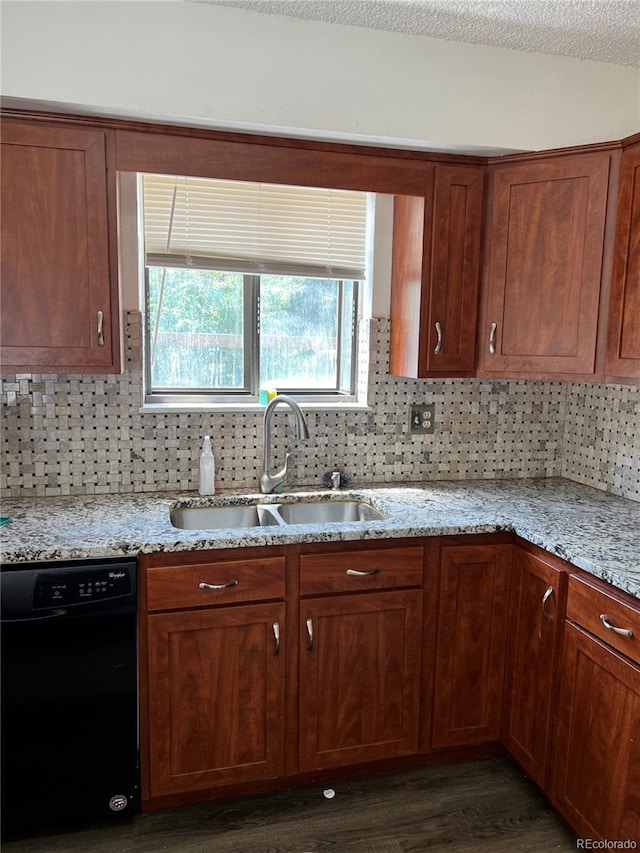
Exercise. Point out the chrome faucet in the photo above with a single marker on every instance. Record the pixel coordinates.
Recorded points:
(270, 482)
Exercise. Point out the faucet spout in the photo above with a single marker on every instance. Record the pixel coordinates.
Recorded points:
(269, 482)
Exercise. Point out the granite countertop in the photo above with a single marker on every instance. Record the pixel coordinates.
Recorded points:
(594, 530)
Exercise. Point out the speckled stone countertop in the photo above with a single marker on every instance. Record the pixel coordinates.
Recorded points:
(593, 530)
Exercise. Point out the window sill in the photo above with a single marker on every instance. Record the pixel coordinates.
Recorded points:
(244, 408)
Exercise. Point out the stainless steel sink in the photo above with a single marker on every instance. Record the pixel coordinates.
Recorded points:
(325, 512)
(272, 514)
(218, 517)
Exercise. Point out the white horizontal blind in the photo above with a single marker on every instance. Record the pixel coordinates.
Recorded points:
(253, 227)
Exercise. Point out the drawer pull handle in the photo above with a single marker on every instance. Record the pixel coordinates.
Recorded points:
(438, 345)
(226, 585)
(354, 573)
(492, 338)
(310, 633)
(546, 598)
(100, 334)
(624, 632)
(276, 635)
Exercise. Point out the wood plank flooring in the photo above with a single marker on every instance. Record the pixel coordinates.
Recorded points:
(483, 806)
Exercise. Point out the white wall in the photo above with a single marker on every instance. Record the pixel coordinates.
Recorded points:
(231, 68)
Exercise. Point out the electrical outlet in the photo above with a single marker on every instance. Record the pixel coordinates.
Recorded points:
(422, 418)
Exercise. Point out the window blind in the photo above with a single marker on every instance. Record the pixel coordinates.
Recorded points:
(254, 227)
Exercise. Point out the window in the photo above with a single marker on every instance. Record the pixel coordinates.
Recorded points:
(250, 286)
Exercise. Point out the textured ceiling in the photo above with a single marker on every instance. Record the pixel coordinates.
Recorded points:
(603, 30)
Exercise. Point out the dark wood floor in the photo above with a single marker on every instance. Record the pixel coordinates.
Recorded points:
(484, 806)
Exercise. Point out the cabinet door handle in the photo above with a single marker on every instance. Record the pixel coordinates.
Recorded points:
(226, 585)
(492, 338)
(310, 634)
(546, 598)
(100, 335)
(354, 573)
(438, 346)
(276, 635)
(624, 632)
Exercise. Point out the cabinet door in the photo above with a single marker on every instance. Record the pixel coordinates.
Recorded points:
(470, 649)
(216, 697)
(435, 275)
(455, 270)
(538, 593)
(359, 678)
(545, 263)
(596, 754)
(55, 251)
(623, 353)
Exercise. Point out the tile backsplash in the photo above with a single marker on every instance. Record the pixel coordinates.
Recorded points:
(83, 434)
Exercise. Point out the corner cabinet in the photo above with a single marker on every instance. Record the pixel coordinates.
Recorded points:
(623, 352)
(470, 649)
(435, 274)
(60, 306)
(544, 265)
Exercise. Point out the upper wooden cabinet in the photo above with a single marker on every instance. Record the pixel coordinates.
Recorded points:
(623, 351)
(546, 231)
(60, 310)
(435, 274)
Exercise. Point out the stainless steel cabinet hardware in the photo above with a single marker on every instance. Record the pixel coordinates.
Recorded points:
(354, 573)
(492, 338)
(624, 632)
(546, 598)
(438, 345)
(226, 585)
(310, 633)
(100, 335)
(276, 634)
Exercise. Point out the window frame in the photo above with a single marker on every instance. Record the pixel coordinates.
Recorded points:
(248, 395)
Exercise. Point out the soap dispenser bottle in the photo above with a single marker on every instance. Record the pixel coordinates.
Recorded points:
(207, 482)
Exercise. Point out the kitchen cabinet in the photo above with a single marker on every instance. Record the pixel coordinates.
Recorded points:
(470, 649)
(596, 755)
(542, 283)
(536, 611)
(60, 305)
(623, 351)
(359, 656)
(435, 274)
(214, 692)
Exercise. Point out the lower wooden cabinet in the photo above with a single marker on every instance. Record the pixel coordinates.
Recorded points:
(216, 697)
(538, 593)
(359, 678)
(470, 651)
(596, 759)
(292, 660)
(595, 780)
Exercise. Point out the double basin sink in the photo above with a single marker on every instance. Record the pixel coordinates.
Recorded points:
(273, 514)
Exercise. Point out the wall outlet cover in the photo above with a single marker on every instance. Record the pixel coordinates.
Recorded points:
(422, 418)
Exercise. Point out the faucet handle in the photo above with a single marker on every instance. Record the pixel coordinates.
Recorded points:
(335, 480)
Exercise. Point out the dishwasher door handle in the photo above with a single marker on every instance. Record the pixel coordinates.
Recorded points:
(55, 615)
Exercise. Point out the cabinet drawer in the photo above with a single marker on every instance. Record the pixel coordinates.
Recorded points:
(177, 587)
(587, 605)
(349, 571)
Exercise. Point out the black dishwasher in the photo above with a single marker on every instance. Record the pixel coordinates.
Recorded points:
(69, 692)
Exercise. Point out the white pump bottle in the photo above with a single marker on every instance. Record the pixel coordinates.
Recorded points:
(207, 482)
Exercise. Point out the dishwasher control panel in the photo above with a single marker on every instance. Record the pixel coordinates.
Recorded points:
(56, 589)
